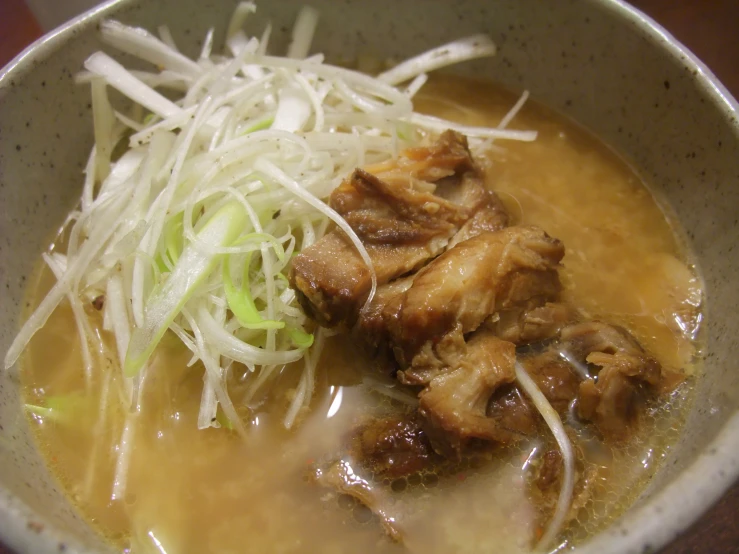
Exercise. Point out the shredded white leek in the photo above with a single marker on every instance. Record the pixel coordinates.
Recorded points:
(305, 26)
(240, 13)
(470, 48)
(513, 112)
(553, 421)
(230, 176)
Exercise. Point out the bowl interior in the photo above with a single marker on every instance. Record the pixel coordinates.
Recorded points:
(664, 113)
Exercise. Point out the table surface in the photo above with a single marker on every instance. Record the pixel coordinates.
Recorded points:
(710, 28)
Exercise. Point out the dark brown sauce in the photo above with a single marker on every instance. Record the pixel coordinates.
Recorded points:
(210, 491)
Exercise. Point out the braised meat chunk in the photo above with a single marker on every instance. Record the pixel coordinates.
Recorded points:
(449, 155)
(454, 403)
(406, 212)
(511, 411)
(550, 470)
(600, 365)
(392, 447)
(395, 213)
(596, 336)
(328, 291)
(491, 215)
(488, 212)
(342, 477)
(468, 283)
(380, 448)
(531, 323)
(555, 377)
(371, 325)
(625, 375)
(612, 401)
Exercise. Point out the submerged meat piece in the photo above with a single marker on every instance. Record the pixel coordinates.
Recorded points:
(545, 483)
(613, 399)
(454, 403)
(596, 336)
(393, 447)
(463, 286)
(531, 323)
(512, 411)
(555, 377)
(625, 375)
(403, 217)
(343, 478)
(382, 448)
(549, 470)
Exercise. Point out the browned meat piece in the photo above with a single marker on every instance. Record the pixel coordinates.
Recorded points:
(328, 291)
(393, 447)
(434, 358)
(550, 469)
(596, 336)
(511, 411)
(626, 375)
(532, 323)
(379, 449)
(544, 484)
(613, 400)
(342, 477)
(332, 282)
(448, 156)
(554, 376)
(371, 326)
(490, 213)
(463, 286)
(455, 401)
(388, 214)
(403, 217)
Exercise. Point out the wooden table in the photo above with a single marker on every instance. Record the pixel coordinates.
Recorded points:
(708, 27)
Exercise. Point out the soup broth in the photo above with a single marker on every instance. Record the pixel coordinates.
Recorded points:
(193, 491)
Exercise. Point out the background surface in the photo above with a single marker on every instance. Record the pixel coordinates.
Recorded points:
(710, 28)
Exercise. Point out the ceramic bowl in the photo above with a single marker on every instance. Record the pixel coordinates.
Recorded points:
(599, 61)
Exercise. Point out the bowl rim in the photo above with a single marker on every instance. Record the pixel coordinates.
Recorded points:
(642, 529)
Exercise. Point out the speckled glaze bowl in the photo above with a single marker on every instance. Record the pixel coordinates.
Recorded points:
(600, 61)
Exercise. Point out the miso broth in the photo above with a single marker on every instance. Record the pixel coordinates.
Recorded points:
(194, 491)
